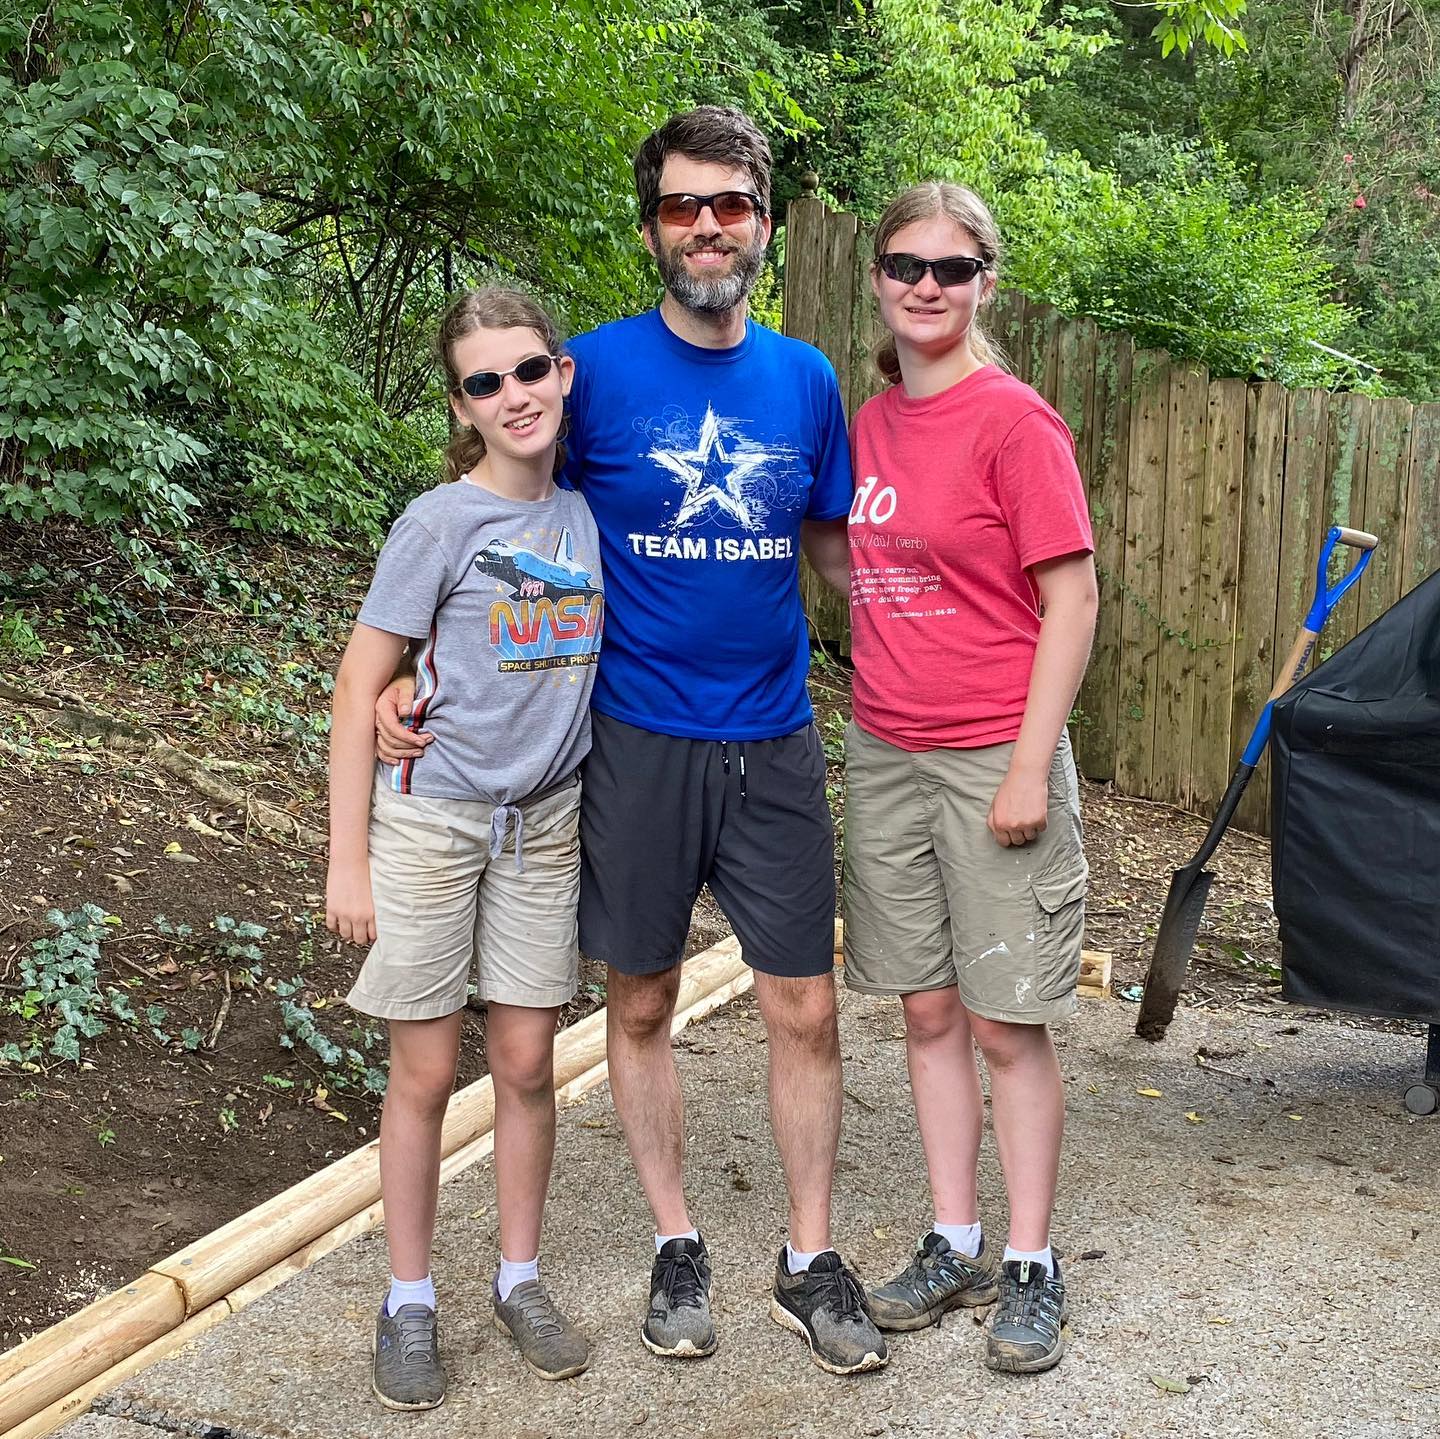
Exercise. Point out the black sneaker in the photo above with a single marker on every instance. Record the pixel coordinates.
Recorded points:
(407, 1372)
(826, 1304)
(936, 1279)
(1026, 1333)
(678, 1324)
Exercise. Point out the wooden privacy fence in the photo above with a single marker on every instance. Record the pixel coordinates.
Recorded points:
(1210, 500)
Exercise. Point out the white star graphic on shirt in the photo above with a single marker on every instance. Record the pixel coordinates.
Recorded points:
(712, 474)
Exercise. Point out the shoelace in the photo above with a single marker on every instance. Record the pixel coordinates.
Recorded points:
(681, 1281)
(949, 1264)
(1032, 1302)
(539, 1312)
(846, 1298)
(416, 1333)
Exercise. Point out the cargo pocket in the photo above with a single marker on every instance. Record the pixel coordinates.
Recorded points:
(1060, 929)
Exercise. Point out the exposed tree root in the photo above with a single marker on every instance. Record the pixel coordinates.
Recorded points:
(197, 772)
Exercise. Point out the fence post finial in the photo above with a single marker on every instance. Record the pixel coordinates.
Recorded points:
(810, 182)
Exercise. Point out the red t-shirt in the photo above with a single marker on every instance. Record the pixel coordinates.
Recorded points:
(957, 495)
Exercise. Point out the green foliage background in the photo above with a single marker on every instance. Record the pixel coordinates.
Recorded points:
(228, 225)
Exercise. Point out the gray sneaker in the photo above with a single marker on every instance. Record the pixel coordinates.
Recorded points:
(1027, 1328)
(408, 1373)
(548, 1342)
(826, 1305)
(938, 1278)
(678, 1323)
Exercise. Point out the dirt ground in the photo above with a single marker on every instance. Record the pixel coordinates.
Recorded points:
(162, 1131)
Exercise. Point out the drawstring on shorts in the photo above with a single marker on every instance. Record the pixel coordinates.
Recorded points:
(740, 756)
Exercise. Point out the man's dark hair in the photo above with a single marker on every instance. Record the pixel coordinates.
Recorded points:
(714, 133)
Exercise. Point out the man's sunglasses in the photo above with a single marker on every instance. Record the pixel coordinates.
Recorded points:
(910, 269)
(730, 207)
(484, 383)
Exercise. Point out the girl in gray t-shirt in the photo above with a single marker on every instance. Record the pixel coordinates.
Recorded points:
(467, 860)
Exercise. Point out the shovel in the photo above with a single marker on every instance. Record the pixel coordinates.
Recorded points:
(1185, 903)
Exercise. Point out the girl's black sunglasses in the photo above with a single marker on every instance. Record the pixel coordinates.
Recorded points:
(484, 383)
(910, 269)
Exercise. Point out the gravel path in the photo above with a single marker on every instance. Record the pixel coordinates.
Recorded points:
(1262, 1234)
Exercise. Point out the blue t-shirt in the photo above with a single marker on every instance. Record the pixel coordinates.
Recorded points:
(698, 466)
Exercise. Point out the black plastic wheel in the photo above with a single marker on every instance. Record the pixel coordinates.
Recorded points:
(1422, 1099)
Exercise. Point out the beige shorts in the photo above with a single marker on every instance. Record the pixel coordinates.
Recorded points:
(444, 908)
(932, 900)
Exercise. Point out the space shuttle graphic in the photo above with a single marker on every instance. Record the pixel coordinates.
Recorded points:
(514, 566)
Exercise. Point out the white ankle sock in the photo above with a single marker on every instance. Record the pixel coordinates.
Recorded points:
(1035, 1256)
(797, 1261)
(964, 1239)
(512, 1274)
(661, 1240)
(410, 1291)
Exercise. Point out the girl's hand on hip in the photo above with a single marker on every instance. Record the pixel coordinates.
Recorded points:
(1018, 811)
(349, 907)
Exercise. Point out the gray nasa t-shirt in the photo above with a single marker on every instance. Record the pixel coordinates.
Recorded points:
(503, 600)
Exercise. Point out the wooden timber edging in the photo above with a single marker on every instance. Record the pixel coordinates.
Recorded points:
(1209, 500)
(53, 1376)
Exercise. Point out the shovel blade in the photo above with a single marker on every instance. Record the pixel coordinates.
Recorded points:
(1180, 923)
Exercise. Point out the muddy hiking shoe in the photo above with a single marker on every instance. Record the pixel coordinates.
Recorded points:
(548, 1342)
(678, 1323)
(937, 1279)
(408, 1373)
(1026, 1331)
(826, 1305)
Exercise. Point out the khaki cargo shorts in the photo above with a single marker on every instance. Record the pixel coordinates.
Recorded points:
(931, 900)
(444, 909)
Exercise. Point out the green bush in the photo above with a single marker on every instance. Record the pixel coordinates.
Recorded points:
(1187, 264)
(149, 358)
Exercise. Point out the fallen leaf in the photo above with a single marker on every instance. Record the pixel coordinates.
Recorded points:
(1169, 1385)
(1195, 1118)
(320, 1101)
(1296, 1117)
(173, 847)
(122, 885)
(178, 856)
(1219, 1319)
(881, 1231)
(594, 1123)
(1150, 1093)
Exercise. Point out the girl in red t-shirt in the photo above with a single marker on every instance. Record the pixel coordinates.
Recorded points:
(973, 606)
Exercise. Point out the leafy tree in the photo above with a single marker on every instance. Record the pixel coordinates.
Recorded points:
(229, 225)
(1337, 100)
(1184, 265)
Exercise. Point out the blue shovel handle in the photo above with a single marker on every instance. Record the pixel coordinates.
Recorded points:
(1327, 596)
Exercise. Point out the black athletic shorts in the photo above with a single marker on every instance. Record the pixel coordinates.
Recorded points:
(661, 815)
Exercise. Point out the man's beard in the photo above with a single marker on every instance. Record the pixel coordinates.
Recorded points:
(711, 294)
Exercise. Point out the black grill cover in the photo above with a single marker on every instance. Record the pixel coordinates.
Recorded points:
(1355, 755)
